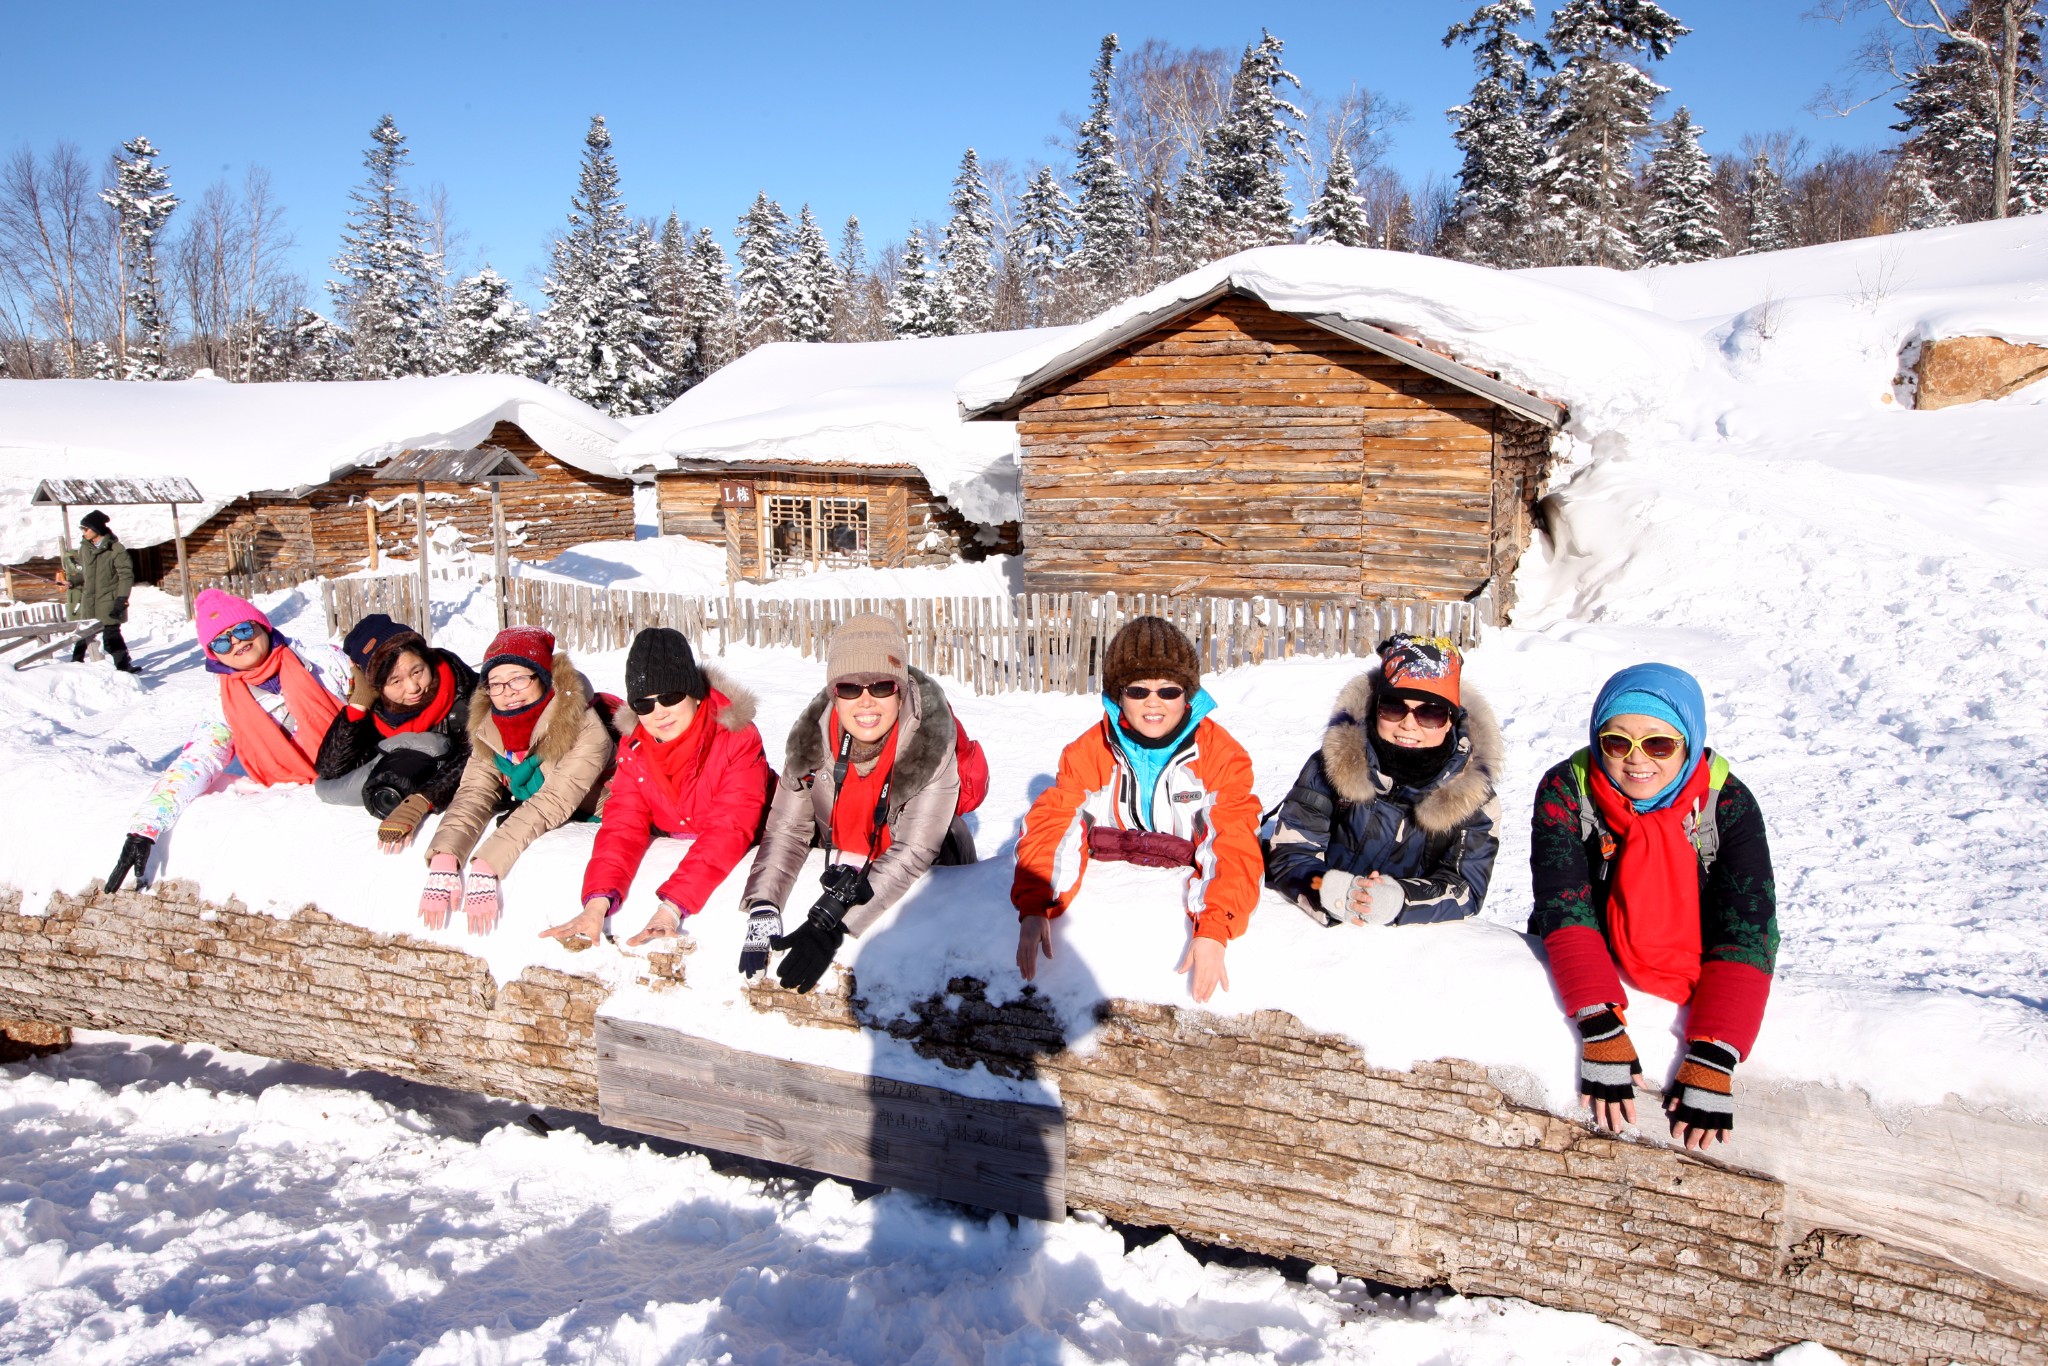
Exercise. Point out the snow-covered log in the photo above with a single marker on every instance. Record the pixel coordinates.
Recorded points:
(1252, 1131)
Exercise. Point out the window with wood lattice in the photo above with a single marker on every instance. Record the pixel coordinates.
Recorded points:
(804, 532)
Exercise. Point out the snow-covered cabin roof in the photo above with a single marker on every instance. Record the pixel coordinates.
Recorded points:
(875, 404)
(236, 439)
(1550, 347)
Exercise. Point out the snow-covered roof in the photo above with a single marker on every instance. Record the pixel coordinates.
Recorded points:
(1551, 346)
(886, 404)
(235, 439)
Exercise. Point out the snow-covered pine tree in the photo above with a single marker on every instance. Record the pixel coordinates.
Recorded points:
(1683, 222)
(1045, 234)
(711, 313)
(1192, 236)
(2030, 165)
(599, 332)
(672, 305)
(312, 347)
(488, 331)
(388, 277)
(1951, 104)
(764, 284)
(1496, 129)
(924, 304)
(1245, 156)
(814, 284)
(1106, 212)
(968, 249)
(855, 320)
(1599, 105)
(142, 202)
(1763, 206)
(1338, 213)
(1913, 200)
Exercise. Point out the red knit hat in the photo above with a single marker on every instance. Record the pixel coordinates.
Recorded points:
(527, 646)
(1421, 666)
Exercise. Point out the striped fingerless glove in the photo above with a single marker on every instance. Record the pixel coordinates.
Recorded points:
(1705, 1086)
(1607, 1059)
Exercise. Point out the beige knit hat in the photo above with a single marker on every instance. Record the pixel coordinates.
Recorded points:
(867, 647)
(1150, 647)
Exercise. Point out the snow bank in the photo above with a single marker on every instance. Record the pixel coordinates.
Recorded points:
(676, 564)
(235, 439)
(850, 403)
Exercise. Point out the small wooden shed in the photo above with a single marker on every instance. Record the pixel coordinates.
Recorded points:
(1220, 445)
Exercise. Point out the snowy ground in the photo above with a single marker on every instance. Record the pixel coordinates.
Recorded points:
(677, 564)
(164, 1204)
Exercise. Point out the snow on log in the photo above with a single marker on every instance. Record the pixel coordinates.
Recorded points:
(1252, 1131)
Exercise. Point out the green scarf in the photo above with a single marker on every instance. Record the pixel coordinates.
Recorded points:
(524, 778)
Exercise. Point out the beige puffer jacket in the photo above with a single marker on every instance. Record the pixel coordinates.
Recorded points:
(924, 790)
(576, 752)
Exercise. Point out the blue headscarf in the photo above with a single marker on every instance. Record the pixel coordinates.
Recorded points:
(1148, 763)
(1666, 693)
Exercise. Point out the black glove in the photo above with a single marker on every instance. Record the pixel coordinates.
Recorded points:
(810, 948)
(135, 856)
(763, 927)
(1704, 1094)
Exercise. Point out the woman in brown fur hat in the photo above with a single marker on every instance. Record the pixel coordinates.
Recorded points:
(1393, 819)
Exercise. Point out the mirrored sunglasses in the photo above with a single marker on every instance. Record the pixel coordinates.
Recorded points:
(1428, 715)
(1615, 745)
(1172, 692)
(645, 705)
(881, 687)
(226, 640)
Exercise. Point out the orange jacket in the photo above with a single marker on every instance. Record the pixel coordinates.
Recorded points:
(1205, 796)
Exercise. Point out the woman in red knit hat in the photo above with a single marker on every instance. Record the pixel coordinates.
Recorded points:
(537, 741)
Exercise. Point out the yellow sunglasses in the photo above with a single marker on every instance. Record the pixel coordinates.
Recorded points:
(1615, 745)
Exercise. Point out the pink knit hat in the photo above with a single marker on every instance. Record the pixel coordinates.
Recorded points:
(214, 611)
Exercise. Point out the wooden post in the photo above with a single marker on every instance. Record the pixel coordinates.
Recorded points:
(498, 550)
(184, 572)
(425, 625)
(370, 526)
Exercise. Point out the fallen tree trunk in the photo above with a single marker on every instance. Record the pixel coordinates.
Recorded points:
(1247, 1131)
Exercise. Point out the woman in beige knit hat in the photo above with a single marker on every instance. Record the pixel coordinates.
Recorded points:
(877, 772)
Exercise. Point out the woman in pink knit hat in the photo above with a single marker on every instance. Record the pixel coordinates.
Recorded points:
(276, 700)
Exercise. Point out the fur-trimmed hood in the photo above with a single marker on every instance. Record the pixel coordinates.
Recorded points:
(738, 713)
(554, 735)
(1465, 785)
(927, 738)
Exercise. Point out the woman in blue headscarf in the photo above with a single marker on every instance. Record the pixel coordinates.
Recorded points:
(1649, 864)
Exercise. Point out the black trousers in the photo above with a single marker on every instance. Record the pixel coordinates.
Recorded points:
(110, 641)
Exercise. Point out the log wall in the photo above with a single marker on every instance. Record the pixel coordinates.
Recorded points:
(1241, 450)
(908, 524)
(1248, 1131)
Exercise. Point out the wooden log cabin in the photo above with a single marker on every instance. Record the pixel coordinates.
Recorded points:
(289, 470)
(1220, 445)
(802, 456)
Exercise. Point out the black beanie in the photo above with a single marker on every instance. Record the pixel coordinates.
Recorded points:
(660, 662)
(96, 522)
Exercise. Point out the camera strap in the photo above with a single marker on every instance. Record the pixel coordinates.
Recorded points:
(840, 767)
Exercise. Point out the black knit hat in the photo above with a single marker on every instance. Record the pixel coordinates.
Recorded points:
(660, 662)
(96, 522)
(1150, 647)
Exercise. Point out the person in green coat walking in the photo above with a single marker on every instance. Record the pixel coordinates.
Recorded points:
(102, 576)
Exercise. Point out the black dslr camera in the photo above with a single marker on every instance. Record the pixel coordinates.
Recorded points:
(843, 887)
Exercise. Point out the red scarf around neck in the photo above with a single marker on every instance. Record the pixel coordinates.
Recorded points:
(515, 728)
(676, 760)
(853, 807)
(438, 704)
(1653, 906)
(269, 753)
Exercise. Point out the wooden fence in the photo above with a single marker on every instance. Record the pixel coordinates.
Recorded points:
(30, 613)
(1035, 642)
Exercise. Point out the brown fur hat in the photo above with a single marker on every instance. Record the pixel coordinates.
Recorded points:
(1150, 647)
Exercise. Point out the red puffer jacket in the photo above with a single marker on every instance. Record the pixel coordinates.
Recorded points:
(718, 804)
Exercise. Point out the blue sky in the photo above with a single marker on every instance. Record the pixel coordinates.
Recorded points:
(855, 109)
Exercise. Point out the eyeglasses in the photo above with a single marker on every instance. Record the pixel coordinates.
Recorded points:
(226, 640)
(508, 687)
(1428, 715)
(645, 705)
(881, 687)
(1615, 745)
(1172, 692)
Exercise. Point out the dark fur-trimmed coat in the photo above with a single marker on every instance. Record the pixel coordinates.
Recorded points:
(353, 741)
(1438, 841)
(924, 795)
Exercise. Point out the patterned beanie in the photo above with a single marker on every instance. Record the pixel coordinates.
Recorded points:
(868, 647)
(1421, 667)
(1150, 647)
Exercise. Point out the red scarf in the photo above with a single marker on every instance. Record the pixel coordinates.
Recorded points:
(428, 716)
(269, 753)
(674, 761)
(853, 810)
(1653, 906)
(515, 728)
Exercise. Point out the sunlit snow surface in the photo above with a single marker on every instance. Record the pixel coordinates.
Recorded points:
(163, 1204)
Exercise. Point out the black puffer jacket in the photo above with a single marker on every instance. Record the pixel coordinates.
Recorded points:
(352, 740)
